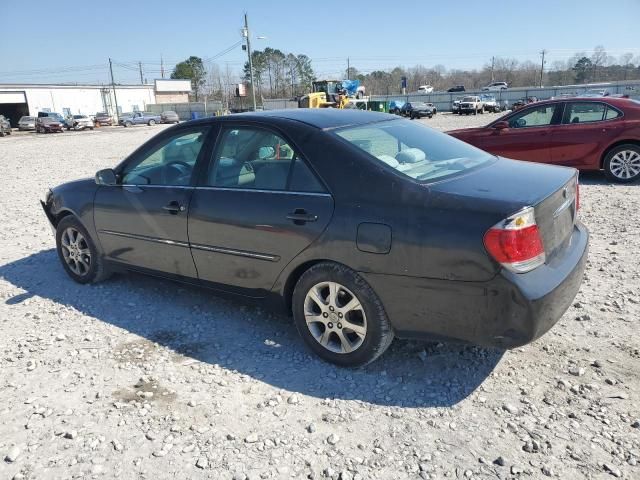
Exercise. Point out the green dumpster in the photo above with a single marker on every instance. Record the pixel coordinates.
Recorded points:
(379, 106)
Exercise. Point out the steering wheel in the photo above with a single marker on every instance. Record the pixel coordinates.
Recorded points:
(179, 168)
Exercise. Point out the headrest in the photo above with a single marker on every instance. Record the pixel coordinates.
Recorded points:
(410, 155)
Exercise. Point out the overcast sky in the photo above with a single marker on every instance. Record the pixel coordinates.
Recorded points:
(71, 41)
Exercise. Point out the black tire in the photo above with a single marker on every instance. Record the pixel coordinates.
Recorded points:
(127, 124)
(609, 157)
(378, 333)
(97, 270)
(152, 123)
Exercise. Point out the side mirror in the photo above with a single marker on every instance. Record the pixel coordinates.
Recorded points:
(106, 177)
(501, 125)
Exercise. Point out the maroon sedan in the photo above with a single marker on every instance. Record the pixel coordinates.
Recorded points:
(584, 133)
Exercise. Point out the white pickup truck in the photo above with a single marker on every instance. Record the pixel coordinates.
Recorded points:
(470, 104)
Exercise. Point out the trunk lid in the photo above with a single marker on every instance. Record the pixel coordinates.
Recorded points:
(507, 186)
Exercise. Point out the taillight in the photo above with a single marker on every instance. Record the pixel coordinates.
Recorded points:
(516, 243)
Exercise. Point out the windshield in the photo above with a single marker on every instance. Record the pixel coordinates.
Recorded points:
(418, 104)
(413, 149)
(469, 99)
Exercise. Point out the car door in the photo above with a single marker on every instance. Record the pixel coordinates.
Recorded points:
(142, 221)
(528, 134)
(258, 205)
(587, 128)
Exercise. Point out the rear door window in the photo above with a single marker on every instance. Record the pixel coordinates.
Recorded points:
(258, 159)
(584, 112)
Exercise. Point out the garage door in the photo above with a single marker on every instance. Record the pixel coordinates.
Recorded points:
(12, 97)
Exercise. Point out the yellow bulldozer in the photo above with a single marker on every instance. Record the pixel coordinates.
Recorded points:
(325, 94)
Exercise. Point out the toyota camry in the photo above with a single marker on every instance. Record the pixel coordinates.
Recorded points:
(363, 226)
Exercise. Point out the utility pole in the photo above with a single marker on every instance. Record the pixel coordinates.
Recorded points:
(247, 36)
(348, 68)
(542, 53)
(161, 67)
(141, 78)
(493, 62)
(113, 86)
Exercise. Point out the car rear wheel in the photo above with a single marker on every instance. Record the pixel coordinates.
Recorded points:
(339, 316)
(78, 253)
(152, 122)
(622, 163)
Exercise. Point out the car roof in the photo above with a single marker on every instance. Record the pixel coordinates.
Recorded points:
(619, 102)
(323, 118)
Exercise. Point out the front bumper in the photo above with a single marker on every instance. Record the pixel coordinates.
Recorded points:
(507, 311)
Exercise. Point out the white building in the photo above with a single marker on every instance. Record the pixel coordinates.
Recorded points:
(17, 100)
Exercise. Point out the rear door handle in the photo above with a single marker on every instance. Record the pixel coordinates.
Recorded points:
(173, 208)
(300, 216)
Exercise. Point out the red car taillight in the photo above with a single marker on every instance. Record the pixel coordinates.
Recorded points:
(516, 243)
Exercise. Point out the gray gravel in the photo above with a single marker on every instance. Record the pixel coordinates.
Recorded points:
(143, 378)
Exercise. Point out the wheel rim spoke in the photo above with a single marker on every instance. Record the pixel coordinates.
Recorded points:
(345, 344)
(333, 294)
(359, 330)
(324, 338)
(353, 304)
(315, 296)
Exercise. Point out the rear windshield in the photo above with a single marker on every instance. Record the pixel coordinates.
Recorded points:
(415, 150)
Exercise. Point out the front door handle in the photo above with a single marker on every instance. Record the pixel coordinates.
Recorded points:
(300, 216)
(173, 208)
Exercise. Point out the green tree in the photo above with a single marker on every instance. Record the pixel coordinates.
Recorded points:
(191, 69)
(583, 68)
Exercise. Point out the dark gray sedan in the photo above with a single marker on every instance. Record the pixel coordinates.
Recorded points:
(169, 116)
(364, 226)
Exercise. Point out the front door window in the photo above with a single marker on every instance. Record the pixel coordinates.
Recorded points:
(533, 117)
(170, 163)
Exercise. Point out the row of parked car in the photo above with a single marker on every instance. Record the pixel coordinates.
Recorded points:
(52, 122)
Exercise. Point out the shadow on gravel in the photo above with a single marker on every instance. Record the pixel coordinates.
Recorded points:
(196, 324)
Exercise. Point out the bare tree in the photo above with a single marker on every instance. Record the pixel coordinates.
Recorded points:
(599, 58)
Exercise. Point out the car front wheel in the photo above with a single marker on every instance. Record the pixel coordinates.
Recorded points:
(622, 163)
(339, 316)
(78, 253)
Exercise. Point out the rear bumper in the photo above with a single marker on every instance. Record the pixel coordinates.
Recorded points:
(506, 312)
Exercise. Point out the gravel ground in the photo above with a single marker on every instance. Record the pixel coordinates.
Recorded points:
(144, 378)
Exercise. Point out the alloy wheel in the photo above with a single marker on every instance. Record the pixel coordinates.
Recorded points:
(75, 251)
(625, 164)
(335, 317)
